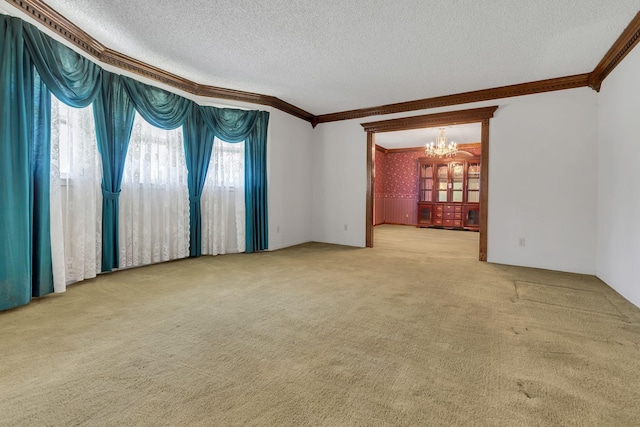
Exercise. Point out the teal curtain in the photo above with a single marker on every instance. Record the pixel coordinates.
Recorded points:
(162, 109)
(198, 143)
(256, 200)
(72, 78)
(113, 113)
(75, 81)
(25, 247)
(42, 281)
(232, 125)
(15, 158)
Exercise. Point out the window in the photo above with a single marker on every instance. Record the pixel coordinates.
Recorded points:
(154, 201)
(223, 206)
(226, 168)
(76, 197)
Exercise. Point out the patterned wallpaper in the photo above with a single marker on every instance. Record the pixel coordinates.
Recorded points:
(401, 175)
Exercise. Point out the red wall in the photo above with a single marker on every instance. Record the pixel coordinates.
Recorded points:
(401, 174)
(396, 185)
(401, 187)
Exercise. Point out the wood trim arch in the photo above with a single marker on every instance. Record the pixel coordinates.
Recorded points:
(431, 120)
(481, 115)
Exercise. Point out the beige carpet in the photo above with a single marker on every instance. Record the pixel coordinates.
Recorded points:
(413, 332)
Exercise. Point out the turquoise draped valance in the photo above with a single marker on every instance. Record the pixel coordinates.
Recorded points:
(159, 107)
(71, 77)
(228, 124)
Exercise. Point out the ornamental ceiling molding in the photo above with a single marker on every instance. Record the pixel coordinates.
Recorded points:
(622, 46)
(57, 23)
(548, 85)
(53, 20)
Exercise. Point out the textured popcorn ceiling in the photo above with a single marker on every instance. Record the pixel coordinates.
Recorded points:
(332, 55)
(460, 134)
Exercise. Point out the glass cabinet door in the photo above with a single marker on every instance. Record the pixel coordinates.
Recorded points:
(426, 183)
(473, 183)
(441, 182)
(457, 178)
(425, 214)
(472, 217)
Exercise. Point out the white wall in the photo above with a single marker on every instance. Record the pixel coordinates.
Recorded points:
(339, 183)
(289, 175)
(542, 180)
(619, 179)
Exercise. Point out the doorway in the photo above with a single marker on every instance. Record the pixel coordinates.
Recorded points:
(477, 115)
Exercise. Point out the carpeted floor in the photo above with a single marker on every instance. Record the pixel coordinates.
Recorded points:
(412, 332)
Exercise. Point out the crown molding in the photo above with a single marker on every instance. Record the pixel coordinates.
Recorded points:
(431, 120)
(47, 16)
(548, 85)
(621, 47)
(57, 23)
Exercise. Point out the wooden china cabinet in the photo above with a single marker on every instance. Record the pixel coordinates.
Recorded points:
(449, 192)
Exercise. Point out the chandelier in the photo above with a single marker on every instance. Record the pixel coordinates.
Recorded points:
(441, 148)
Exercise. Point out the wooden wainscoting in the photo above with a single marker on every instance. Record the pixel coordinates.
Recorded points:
(400, 211)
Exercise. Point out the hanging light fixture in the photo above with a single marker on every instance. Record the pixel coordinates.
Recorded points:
(441, 147)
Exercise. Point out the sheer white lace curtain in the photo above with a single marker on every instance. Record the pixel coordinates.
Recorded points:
(76, 197)
(154, 201)
(223, 207)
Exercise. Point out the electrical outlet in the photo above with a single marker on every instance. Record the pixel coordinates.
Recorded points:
(345, 227)
(277, 229)
(521, 242)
